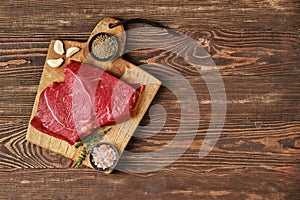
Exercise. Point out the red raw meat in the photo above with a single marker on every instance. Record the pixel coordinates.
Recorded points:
(86, 99)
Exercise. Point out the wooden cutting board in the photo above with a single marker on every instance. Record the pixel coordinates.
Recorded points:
(120, 134)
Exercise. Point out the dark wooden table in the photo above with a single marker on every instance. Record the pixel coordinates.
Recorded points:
(255, 45)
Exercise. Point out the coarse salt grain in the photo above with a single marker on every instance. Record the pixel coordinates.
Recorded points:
(104, 156)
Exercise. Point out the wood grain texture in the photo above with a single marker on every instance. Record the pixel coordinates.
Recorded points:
(255, 45)
(164, 184)
(183, 15)
(118, 135)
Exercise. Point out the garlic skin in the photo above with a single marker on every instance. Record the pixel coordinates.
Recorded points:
(71, 51)
(59, 47)
(54, 63)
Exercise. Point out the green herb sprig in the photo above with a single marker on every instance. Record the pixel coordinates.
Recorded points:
(87, 143)
(78, 144)
(81, 157)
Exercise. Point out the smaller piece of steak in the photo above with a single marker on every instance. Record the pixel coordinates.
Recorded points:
(86, 99)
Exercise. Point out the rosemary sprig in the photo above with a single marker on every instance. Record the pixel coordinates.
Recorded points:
(94, 138)
(81, 157)
(78, 144)
(87, 142)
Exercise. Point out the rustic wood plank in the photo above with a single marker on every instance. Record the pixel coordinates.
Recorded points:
(234, 52)
(248, 98)
(255, 45)
(269, 145)
(165, 184)
(20, 73)
(180, 15)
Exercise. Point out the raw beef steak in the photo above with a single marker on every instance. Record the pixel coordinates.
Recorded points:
(86, 99)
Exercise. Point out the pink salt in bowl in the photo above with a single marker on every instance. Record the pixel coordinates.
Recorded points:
(104, 156)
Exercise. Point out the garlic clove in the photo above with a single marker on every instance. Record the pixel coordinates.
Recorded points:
(71, 51)
(59, 47)
(54, 63)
